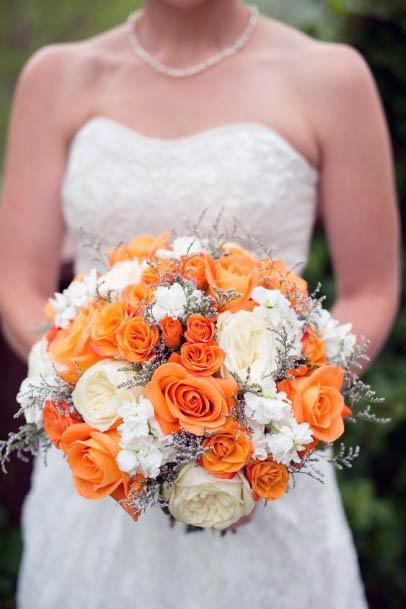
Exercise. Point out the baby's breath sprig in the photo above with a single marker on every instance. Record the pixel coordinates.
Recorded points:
(27, 441)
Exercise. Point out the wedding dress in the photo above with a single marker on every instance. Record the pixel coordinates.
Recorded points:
(297, 551)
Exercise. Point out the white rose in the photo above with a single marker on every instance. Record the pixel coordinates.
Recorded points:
(170, 302)
(251, 347)
(121, 274)
(98, 396)
(201, 500)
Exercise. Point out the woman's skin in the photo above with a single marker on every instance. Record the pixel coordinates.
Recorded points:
(321, 97)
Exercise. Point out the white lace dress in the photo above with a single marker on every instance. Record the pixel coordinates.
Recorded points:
(296, 552)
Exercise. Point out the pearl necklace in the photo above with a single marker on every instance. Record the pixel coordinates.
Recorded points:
(199, 67)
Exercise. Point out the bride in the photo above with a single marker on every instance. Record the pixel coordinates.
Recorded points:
(194, 104)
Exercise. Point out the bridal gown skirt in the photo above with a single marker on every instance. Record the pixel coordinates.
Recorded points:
(296, 552)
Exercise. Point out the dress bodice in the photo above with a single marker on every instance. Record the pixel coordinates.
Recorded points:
(119, 183)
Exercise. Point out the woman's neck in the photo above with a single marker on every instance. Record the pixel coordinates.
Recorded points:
(181, 36)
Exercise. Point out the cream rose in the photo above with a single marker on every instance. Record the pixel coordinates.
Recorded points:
(251, 347)
(121, 274)
(98, 395)
(199, 499)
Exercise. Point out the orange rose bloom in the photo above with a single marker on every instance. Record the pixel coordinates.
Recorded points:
(105, 326)
(313, 347)
(276, 275)
(161, 270)
(92, 455)
(182, 400)
(199, 329)
(72, 347)
(233, 272)
(137, 340)
(269, 480)
(202, 359)
(141, 247)
(137, 295)
(194, 268)
(229, 451)
(125, 497)
(171, 332)
(57, 418)
(317, 400)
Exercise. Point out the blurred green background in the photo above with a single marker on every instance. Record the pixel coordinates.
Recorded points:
(374, 490)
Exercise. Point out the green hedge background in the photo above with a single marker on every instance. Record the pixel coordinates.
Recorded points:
(374, 490)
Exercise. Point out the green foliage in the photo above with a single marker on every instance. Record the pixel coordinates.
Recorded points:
(374, 490)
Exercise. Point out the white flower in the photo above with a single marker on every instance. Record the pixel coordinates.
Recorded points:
(39, 361)
(270, 407)
(98, 395)
(201, 500)
(338, 338)
(287, 441)
(121, 274)
(251, 348)
(135, 417)
(77, 295)
(32, 413)
(170, 302)
(184, 246)
(279, 315)
(144, 456)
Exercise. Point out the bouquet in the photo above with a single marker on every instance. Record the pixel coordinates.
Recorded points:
(191, 375)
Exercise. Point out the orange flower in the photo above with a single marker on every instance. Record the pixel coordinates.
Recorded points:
(92, 455)
(202, 359)
(317, 400)
(194, 267)
(200, 329)
(105, 326)
(269, 480)
(141, 247)
(276, 275)
(136, 340)
(72, 347)
(182, 400)
(137, 295)
(232, 272)
(161, 271)
(229, 451)
(57, 418)
(125, 497)
(313, 347)
(171, 332)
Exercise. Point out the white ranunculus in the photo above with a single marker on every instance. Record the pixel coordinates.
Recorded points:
(170, 302)
(338, 338)
(251, 348)
(77, 295)
(199, 499)
(98, 395)
(121, 275)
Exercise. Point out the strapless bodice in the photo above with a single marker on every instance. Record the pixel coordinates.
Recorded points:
(119, 183)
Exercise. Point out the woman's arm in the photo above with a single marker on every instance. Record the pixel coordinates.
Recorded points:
(31, 224)
(358, 201)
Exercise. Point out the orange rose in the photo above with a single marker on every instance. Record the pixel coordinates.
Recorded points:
(72, 347)
(229, 451)
(137, 295)
(141, 247)
(105, 326)
(313, 347)
(276, 275)
(317, 400)
(126, 499)
(171, 332)
(202, 359)
(200, 329)
(233, 272)
(182, 400)
(269, 480)
(137, 340)
(92, 455)
(194, 268)
(161, 271)
(57, 418)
